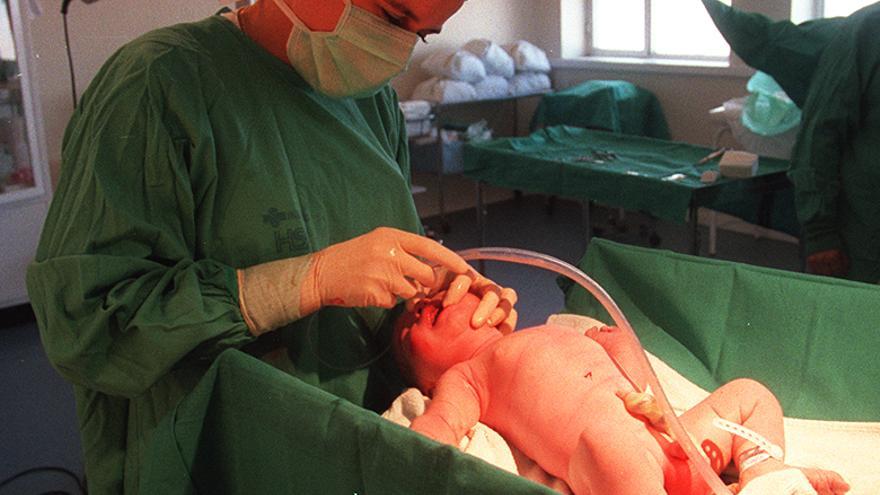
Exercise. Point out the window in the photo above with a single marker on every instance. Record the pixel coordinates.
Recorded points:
(679, 29)
(804, 10)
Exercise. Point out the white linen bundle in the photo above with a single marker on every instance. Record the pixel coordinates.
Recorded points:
(528, 57)
(439, 90)
(492, 87)
(460, 65)
(526, 83)
(496, 60)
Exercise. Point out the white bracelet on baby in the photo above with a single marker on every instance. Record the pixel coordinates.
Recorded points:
(741, 431)
(756, 458)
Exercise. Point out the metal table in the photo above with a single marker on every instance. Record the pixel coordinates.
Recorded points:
(632, 172)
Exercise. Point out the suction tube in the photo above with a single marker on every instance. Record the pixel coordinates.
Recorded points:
(546, 262)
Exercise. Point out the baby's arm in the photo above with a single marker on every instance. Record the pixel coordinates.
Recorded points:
(455, 406)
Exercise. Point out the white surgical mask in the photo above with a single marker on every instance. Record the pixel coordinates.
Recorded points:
(360, 56)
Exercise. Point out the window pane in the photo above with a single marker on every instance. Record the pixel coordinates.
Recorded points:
(619, 25)
(684, 28)
(802, 10)
(835, 8)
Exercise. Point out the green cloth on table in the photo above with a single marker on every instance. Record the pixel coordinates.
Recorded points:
(812, 340)
(195, 152)
(248, 428)
(789, 52)
(616, 106)
(835, 164)
(556, 160)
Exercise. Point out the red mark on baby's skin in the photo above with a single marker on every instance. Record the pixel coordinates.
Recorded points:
(336, 302)
(589, 374)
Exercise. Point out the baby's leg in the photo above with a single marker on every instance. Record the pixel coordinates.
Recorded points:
(744, 402)
(613, 458)
(750, 404)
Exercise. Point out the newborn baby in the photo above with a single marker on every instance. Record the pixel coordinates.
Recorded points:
(558, 395)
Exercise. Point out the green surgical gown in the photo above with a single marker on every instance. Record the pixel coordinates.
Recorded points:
(835, 163)
(195, 152)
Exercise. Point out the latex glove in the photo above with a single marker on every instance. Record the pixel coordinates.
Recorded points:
(831, 262)
(375, 269)
(496, 302)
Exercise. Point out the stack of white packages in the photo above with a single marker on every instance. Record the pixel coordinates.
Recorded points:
(482, 70)
(532, 69)
(417, 114)
(439, 90)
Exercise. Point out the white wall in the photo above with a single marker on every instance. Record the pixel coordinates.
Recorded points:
(96, 31)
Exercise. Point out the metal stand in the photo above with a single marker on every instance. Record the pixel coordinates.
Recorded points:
(587, 220)
(481, 223)
(444, 224)
(713, 232)
(695, 229)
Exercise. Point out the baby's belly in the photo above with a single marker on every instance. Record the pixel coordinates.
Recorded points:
(551, 397)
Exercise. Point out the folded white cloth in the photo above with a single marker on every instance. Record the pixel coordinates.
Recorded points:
(495, 58)
(738, 164)
(492, 87)
(528, 57)
(785, 482)
(527, 83)
(460, 65)
(415, 109)
(481, 441)
(444, 91)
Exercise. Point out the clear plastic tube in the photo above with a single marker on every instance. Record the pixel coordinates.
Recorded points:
(676, 430)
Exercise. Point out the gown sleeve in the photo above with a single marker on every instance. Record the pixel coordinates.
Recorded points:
(830, 114)
(120, 287)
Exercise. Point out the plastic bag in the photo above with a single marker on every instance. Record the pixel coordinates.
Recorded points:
(768, 111)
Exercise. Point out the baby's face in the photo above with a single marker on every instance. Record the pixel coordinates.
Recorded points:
(430, 339)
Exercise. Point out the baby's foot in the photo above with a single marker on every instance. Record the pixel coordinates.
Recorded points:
(826, 482)
(823, 481)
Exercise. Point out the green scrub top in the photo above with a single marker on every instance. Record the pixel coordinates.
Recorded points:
(195, 152)
(835, 163)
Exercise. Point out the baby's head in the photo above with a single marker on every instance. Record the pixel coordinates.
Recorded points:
(430, 339)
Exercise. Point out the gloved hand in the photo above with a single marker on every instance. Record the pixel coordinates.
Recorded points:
(831, 262)
(496, 303)
(373, 269)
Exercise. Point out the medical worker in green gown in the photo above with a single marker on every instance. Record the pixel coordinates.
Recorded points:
(831, 69)
(238, 182)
